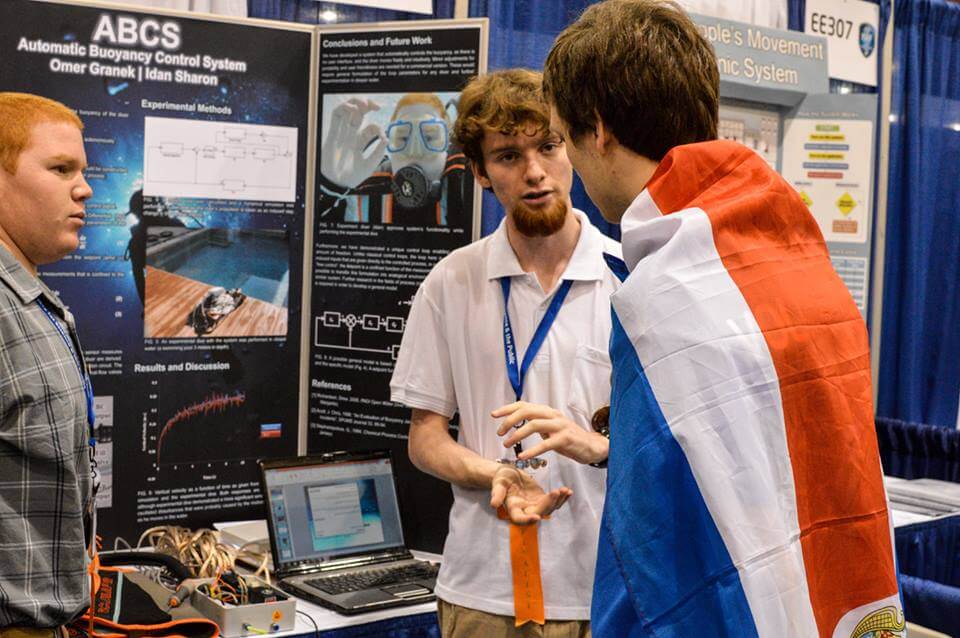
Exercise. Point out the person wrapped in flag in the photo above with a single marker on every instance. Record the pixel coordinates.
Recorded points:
(744, 490)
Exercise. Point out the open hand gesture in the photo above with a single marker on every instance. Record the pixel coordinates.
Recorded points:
(523, 499)
(345, 158)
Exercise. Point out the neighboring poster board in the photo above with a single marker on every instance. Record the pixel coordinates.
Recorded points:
(196, 133)
(774, 99)
(828, 156)
(394, 195)
(763, 65)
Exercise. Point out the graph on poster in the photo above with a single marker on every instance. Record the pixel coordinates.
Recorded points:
(195, 158)
(214, 432)
(205, 430)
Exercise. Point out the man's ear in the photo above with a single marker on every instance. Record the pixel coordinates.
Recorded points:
(605, 141)
(480, 174)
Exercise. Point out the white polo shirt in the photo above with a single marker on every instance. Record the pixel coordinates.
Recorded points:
(451, 359)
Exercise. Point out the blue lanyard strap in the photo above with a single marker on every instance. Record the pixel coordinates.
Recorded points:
(509, 343)
(87, 386)
(617, 266)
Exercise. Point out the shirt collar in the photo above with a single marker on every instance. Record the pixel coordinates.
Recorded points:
(641, 210)
(501, 260)
(26, 286)
(586, 263)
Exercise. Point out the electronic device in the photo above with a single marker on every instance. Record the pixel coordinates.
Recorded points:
(243, 606)
(335, 532)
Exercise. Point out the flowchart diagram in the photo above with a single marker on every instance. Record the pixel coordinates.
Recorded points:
(225, 160)
(831, 170)
(332, 320)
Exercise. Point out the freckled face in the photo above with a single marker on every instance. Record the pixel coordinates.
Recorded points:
(42, 204)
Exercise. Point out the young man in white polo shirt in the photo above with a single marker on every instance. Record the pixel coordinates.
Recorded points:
(460, 353)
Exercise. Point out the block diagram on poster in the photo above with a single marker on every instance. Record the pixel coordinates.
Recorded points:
(224, 160)
(346, 331)
(755, 128)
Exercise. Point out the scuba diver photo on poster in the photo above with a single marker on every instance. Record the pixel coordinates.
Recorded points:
(389, 159)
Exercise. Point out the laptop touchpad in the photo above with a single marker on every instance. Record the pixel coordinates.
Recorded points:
(406, 590)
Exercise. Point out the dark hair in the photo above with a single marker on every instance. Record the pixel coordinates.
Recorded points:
(644, 68)
(507, 101)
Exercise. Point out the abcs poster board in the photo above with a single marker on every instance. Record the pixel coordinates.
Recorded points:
(187, 283)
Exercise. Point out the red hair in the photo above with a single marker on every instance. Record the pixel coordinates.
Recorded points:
(19, 113)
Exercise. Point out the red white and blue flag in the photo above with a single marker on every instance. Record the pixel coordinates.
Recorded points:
(745, 494)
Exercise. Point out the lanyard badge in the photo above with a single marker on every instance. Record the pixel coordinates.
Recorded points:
(87, 386)
(90, 525)
(516, 373)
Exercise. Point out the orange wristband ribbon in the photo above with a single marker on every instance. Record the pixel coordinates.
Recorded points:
(525, 564)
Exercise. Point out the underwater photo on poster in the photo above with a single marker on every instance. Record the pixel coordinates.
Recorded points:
(216, 282)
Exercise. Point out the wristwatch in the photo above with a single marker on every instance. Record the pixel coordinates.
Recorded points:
(604, 431)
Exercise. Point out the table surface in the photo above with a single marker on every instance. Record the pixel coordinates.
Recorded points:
(327, 619)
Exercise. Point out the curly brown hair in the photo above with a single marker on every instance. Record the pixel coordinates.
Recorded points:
(508, 101)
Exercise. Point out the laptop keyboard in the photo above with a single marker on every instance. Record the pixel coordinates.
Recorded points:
(355, 581)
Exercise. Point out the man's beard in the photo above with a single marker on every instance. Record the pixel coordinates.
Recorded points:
(539, 222)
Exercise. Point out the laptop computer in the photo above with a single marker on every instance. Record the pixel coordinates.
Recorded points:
(335, 533)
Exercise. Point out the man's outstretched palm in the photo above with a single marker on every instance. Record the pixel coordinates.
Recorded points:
(522, 498)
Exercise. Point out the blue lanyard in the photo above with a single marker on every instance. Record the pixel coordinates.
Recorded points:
(509, 345)
(87, 386)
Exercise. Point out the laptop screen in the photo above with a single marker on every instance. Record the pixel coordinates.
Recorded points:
(327, 509)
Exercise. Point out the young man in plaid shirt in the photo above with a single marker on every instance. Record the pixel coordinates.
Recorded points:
(46, 475)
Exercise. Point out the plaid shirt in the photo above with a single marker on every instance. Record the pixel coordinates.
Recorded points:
(45, 482)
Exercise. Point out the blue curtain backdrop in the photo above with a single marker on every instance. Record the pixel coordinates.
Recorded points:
(928, 555)
(920, 346)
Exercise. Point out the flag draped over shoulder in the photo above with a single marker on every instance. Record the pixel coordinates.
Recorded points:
(745, 493)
